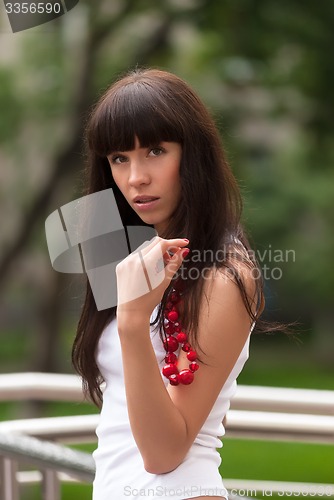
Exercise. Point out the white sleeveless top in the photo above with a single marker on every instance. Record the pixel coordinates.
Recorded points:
(120, 473)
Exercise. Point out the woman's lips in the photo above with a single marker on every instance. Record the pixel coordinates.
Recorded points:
(146, 204)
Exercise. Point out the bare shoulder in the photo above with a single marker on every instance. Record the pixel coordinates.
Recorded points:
(224, 319)
(236, 281)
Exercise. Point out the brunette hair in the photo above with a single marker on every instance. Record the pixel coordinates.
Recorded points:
(156, 106)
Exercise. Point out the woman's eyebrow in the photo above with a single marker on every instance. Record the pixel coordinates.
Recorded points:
(116, 152)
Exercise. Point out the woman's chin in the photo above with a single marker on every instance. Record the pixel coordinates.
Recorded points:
(152, 221)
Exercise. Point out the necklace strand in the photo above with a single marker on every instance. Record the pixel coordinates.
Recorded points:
(176, 336)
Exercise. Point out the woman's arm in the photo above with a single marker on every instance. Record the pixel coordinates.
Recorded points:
(165, 422)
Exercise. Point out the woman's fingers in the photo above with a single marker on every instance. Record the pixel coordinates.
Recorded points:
(175, 262)
(161, 267)
(156, 260)
(153, 263)
(170, 246)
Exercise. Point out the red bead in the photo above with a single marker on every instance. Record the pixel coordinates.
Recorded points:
(191, 355)
(171, 358)
(181, 337)
(186, 347)
(173, 315)
(169, 329)
(170, 369)
(174, 297)
(176, 336)
(186, 377)
(174, 379)
(171, 344)
(194, 366)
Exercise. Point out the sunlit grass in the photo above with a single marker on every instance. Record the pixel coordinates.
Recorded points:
(277, 461)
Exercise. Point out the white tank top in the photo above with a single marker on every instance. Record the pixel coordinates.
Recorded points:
(120, 473)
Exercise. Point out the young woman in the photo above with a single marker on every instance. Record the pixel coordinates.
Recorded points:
(169, 357)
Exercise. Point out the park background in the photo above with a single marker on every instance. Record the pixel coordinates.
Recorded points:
(265, 70)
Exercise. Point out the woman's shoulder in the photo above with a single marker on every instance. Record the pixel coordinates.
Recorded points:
(236, 268)
(232, 281)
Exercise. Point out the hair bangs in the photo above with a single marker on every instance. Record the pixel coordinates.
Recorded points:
(134, 111)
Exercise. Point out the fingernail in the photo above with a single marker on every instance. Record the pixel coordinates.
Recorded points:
(185, 252)
(185, 239)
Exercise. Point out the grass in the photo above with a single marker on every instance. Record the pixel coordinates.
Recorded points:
(277, 461)
(69, 491)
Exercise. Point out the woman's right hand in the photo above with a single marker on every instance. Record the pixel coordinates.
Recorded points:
(144, 275)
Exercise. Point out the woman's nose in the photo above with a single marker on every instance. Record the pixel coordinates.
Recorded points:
(138, 174)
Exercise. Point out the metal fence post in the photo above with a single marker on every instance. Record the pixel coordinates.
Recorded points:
(50, 485)
(9, 487)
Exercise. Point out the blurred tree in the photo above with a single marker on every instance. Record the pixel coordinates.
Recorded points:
(58, 103)
(265, 71)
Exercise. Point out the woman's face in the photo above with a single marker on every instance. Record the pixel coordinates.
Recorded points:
(149, 180)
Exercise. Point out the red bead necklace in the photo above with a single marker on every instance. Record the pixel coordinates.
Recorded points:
(175, 336)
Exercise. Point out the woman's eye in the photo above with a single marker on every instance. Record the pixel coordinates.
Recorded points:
(156, 151)
(117, 159)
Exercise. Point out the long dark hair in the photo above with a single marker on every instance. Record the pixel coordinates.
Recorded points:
(156, 106)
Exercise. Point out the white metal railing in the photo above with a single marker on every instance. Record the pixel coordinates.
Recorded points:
(256, 412)
(284, 399)
(239, 424)
(63, 387)
(40, 386)
(49, 458)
